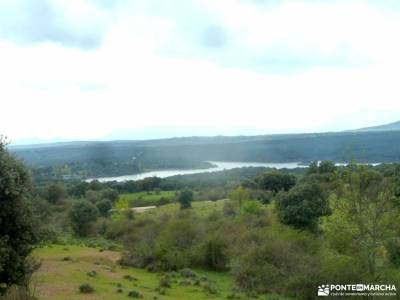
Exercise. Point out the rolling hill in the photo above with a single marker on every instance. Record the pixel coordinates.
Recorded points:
(112, 158)
(386, 127)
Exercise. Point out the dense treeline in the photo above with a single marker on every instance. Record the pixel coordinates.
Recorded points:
(97, 159)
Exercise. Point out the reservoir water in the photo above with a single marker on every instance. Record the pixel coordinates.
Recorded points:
(220, 166)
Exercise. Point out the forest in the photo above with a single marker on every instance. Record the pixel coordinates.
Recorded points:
(99, 159)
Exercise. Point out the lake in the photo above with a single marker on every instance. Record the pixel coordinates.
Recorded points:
(220, 166)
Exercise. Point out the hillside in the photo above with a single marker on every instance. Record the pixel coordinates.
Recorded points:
(386, 127)
(113, 158)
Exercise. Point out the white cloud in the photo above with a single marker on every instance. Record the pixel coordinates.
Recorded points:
(51, 91)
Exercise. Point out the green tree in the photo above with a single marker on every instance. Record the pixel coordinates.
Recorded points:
(17, 235)
(302, 206)
(110, 194)
(104, 207)
(369, 209)
(56, 192)
(322, 167)
(185, 198)
(82, 214)
(276, 181)
(239, 195)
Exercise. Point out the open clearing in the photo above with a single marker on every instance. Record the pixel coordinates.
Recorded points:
(65, 268)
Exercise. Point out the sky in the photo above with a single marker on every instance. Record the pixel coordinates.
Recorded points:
(131, 69)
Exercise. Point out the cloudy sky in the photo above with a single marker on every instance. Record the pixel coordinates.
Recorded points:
(99, 69)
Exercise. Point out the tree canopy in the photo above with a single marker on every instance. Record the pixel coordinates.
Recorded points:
(17, 234)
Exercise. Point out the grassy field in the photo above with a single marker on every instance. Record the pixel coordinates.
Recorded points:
(65, 268)
(145, 198)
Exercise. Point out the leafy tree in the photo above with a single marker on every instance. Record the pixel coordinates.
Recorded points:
(185, 198)
(17, 235)
(79, 189)
(104, 207)
(370, 210)
(93, 196)
(150, 183)
(326, 166)
(303, 205)
(215, 253)
(239, 195)
(82, 214)
(323, 172)
(56, 192)
(275, 181)
(110, 194)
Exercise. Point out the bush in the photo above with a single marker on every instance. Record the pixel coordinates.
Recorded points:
(163, 201)
(230, 208)
(66, 258)
(188, 273)
(253, 208)
(215, 253)
(56, 193)
(302, 206)
(164, 282)
(393, 249)
(86, 288)
(210, 288)
(104, 207)
(91, 274)
(276, 181)
(82, 215)
(135, 294)
(129, 277)
(185, 199)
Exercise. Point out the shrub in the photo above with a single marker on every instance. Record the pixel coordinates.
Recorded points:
(253, 207)
(91, 274)
(275, 181)
(230, 208)
(302, 206)
(393, 249)
(164, 282)
(129, 277)
(185, 198)
(82, 214)
(86, 288)
(104, 207)
(66, 258)
(163, 201)
(188, 273)
(210, 288)
(215, 253)
(135, 294)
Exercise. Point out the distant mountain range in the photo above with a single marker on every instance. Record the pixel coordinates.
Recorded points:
(386, 127)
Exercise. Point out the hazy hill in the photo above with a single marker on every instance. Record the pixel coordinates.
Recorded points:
(112, 158)
(386, 127)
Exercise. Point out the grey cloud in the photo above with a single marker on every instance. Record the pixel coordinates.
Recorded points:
(30, 22)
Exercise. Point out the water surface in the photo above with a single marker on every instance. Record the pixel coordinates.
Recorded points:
(220, 166)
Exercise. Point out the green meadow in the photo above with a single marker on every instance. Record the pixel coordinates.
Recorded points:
(65, 267)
